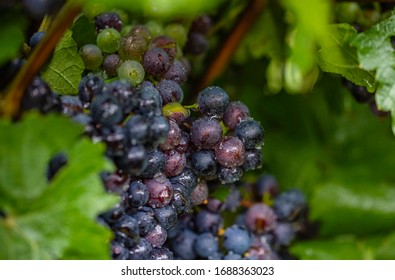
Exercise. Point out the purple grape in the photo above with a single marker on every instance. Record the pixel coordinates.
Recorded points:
(176, 72)
(111, 64)
(166, 43)
(235, 113)
(266, 184)
(260, 218)
(183, 147)
(141, 251)
(156, 163)
(187, 178)
(133, 161)
(180, 202)
(136, 129)
(201, 24)
(182, 245)
(175, 112)
(146, 221)
(206, 133)
(207, 221)
(284, 234)
(108, 20)
(161, 254)
(160, 190)
(170, 91)
(106, 110)
(175, 163)
(200, 193)
(124, 93)
(127, 225)
(157, 237)
(159, 129)
(89, 87)
(119, 251)
(196, 44)
(156, 61)
(230, 152)
(173, 137)
(288, 205)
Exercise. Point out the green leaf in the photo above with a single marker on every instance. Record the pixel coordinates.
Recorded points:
(84, 31)
(337, 56)
(11, 35)
(221, 193)
(361, 208)
(375, 53)
(50, 220)
(340, 248)
(63, 72)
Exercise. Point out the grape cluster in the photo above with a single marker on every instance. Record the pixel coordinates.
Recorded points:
(170, 158)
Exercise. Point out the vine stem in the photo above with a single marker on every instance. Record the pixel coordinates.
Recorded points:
(225, 52)
(11, 104)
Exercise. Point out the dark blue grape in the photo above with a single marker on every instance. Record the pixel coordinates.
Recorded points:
(36, 38)
(214, 205)
(167, 216)
(71, 105)
(204, 163)
(196, 44)
(187, 178)
(170, 91)
(37, 9)
(55, 164)
(161, 254)
(133, 161)
(266, 185)
(127, 225)
(232, 201)
(111, 64)
(119, 251)
(206, 133)
(284, 234)
(141, 251)
(232, 256)
(156, 61)
(288, 205)
(206, 245)
(137, 194)
(207, 221)
(108, 20)
(237, 239)
(213, 101)
(159, 129)
(136, 129)
(115, 140)
(106, 110)
(156, 163)
(201, 24)
(250, 133)
(146, 221)
(229, 175)
(182, 245)
(252, 160)
(150, 101)
(37, 96)
(124, 94)
(90, 86)
(180, 202)
(124, 240)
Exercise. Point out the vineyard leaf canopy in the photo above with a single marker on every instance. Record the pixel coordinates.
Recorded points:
(45, 220)
(376, 53)
(337, 56)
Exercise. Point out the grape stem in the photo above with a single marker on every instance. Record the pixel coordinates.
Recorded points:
(10, 106)
(225, 52)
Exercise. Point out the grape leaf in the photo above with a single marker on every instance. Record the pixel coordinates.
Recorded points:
(48, 220)
(83, 31)
(361, 208)
(376, 53)
(63, 72)
(337, 56)
(11, 35)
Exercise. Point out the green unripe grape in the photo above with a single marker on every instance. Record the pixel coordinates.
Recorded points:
(108, 39)
(155, 28)
(177, 32)
(132, 47)
(91, 56)
(176, 112)
(131, 71)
